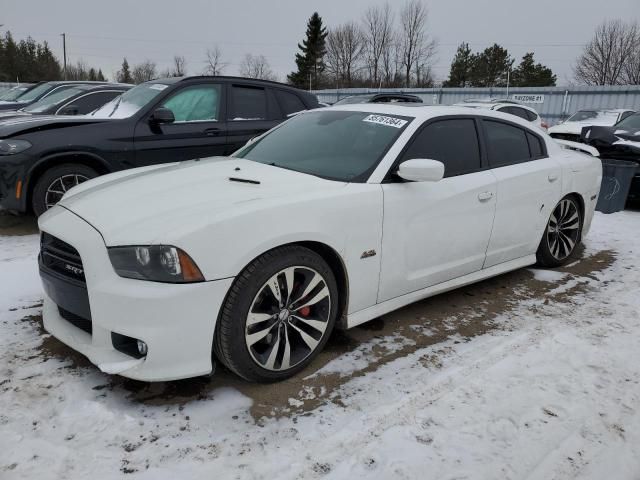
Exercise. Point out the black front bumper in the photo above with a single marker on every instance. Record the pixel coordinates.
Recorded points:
(12, 171)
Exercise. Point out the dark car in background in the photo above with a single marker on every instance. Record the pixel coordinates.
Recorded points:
(76, 100)
(11, 94)
(160, 121)
(380, 98)
(40, 91)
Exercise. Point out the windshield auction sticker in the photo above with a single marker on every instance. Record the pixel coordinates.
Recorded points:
(383, 120)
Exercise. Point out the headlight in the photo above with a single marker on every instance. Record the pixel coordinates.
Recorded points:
(156, 263)
(11, 147)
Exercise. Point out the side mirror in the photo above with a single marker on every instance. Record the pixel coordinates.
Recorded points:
(69, 110)
(421, 170)
(162, 115)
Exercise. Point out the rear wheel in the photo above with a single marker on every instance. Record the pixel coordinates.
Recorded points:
(562, 234)
(278, 315)
(55, 182)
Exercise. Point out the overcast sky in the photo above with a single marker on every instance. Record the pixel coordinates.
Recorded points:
(102, 32)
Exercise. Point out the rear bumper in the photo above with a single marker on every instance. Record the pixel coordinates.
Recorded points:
(176, 322)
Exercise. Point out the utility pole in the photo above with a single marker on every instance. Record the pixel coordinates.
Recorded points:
(64, 55)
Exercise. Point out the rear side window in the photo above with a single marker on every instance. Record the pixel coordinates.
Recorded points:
(531, 115)
(535, 146)
(289, 102)
(248, 103)
(506, 144)
(453, 142)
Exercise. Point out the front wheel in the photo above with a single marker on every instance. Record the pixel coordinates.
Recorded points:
(562, 234)
(55, 182)
(278, 315)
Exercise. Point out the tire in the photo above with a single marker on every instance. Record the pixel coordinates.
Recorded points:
(65, 176)
(253, 320)
(558, 245)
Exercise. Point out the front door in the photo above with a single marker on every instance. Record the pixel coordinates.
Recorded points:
(198, 131)
(437, 231)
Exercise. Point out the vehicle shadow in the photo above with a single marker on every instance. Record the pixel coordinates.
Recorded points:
(457, 316)
(14, 225)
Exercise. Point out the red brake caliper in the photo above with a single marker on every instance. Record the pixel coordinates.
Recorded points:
(304, 311)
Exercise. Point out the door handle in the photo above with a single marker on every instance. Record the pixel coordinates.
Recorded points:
(212, 132)
(552, 177)
(484, 196)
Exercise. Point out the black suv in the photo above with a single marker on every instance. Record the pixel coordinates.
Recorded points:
(77, 100)
(40, 91)
(159, 121)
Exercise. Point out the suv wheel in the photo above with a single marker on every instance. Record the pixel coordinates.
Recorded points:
(55, 182)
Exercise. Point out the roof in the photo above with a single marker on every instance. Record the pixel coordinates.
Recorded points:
(609, 110)
(172, 80)
(104, 86)
(491, 105)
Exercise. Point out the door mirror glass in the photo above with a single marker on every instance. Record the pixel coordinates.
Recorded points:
(69, 110)
(421, 170)
(162, 115)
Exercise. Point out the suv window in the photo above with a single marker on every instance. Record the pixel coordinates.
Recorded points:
(90, 102)
(453, 142)
(289, 102)
(507, 144)
(198, 103)
(248, 103)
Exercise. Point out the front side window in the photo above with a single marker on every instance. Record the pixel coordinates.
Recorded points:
(337, 145)
(198, 103)
(248, 103)
(130, 102)
(453, 142)
(507, 144)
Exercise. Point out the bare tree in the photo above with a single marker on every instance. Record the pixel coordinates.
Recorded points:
(379, 41)
(143, 72)
(417, 47)
(179, 66)
(256, 66)
(345, 50)
(631, 68)
(606, 57)
(214, 63)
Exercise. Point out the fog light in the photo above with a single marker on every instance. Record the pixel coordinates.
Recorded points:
(142, 348)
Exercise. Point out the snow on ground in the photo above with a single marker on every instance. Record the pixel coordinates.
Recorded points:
(552, 392)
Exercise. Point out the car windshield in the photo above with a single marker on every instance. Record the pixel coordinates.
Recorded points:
(336, 145)
(354, 99)
(601, 115)
(130, 102)
(12, 94)
(52, 100)
(631, 123)
(35, 92)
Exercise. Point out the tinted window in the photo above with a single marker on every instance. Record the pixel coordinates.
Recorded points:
(289, 102)
(531, 115)
(625, 115)
(519, 112)
(248, 103)
(453, 142)
(89, 103)
(506, 144)
(338, 145)
(195, 104)
(535, 146)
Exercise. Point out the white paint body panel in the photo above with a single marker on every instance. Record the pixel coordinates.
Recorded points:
(428, 237)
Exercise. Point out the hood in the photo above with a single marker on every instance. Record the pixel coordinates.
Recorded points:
(34, 123)
(160, 203)
(576, 127)
(8, 114)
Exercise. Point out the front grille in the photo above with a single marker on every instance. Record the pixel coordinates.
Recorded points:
(61, 257)
(76, 320)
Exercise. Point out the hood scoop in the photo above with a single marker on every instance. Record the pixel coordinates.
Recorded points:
(244, 180)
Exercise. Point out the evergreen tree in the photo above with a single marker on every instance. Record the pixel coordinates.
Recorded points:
(531, 74)
(124, 74)
(27, 60)
(310, 60)
(461, 67)
(491, 67)
(101, 77)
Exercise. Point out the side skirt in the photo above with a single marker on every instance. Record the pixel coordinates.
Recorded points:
(379, 309)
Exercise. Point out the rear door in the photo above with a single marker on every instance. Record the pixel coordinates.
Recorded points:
(199, 129)
(437, 231)
(251, 111)
(529, 186)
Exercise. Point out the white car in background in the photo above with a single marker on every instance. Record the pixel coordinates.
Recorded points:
(571, 128)
(507, 106)
(253, 259)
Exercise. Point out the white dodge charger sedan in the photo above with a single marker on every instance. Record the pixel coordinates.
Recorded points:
(333, 218)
